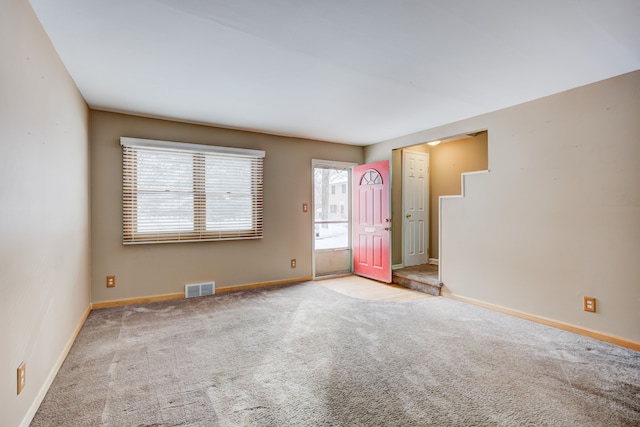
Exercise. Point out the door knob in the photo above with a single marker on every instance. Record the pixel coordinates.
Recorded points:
(408, 215)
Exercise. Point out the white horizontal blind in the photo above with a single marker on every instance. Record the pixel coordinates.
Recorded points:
(175, 192)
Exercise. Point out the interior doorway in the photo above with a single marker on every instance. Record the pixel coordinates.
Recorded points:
(448, 160)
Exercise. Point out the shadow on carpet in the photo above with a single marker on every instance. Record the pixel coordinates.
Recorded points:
(304, 355)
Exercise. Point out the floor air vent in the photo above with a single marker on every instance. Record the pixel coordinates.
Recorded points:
(199, 289)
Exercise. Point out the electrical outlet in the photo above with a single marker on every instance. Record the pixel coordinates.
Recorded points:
(22, 376)
(293, 263)
(111, 281)
(305, 208)
(589, 304)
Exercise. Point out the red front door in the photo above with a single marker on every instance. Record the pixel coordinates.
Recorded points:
(372, 221)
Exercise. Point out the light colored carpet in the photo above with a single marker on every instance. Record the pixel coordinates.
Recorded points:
(305, 355)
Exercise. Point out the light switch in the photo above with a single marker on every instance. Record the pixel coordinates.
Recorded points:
(305, 207)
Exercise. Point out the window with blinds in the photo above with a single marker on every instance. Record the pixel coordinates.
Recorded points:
(178, 192)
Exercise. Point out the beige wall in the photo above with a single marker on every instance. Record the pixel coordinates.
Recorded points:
(396, 207)
(143, 270)
(448, 161)
(44, 210)
(558, 216)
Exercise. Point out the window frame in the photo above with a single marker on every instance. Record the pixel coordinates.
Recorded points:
(334, 164)
(199, 153)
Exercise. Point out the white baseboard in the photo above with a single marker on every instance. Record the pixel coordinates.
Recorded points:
(396, 266)
(434, 261)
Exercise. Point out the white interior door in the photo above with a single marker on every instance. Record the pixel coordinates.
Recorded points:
(415, 208)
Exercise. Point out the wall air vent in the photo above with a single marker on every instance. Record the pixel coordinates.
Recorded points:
(199, 289)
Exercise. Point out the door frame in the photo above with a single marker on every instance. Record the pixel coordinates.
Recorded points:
(311, 208)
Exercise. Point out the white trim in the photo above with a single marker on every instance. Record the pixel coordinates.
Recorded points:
(183, 146)
(320, 163)
(397, 266)
(434, 261)
(330, 163)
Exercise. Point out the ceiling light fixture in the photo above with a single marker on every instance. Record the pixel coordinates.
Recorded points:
(434, 143)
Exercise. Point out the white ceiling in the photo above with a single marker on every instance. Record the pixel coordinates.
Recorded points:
(350, 71)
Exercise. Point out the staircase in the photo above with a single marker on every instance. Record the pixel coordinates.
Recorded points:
(423, 278)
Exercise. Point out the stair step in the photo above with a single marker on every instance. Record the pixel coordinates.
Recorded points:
(418, 285)
(422, 278)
